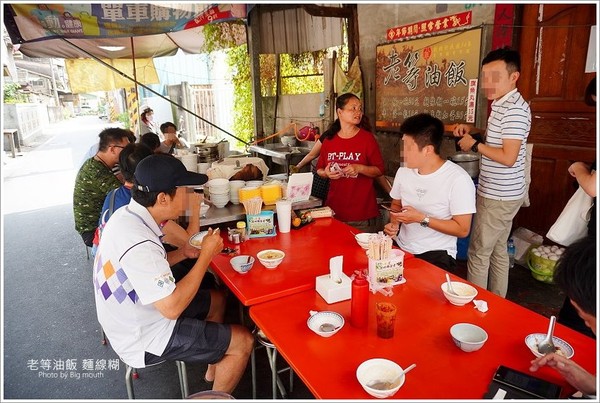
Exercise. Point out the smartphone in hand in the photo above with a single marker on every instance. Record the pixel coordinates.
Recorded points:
(389, 208)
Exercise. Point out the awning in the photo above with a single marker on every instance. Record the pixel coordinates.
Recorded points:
(105, 29)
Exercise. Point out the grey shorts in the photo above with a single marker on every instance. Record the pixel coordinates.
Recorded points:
(194, 339)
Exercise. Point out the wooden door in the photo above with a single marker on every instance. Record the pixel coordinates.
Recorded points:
(553, 45)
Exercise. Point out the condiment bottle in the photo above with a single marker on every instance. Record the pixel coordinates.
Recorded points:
(360, 300)
(241, 227)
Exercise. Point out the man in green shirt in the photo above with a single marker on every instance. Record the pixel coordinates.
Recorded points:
(95, 179)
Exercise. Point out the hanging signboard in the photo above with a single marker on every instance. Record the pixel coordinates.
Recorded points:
(107, 20)
(432, 75)
(434, 25)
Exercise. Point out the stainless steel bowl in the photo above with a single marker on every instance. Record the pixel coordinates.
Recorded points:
(468, 161)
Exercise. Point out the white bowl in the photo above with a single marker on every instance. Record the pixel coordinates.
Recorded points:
(218, 183)
(564, 348)
(236, 184)
(363, 239)
(242, 263)
(468, 337)
(270, 258)
(380, 370)
(465, 292)
(196, 239)
(319, 318)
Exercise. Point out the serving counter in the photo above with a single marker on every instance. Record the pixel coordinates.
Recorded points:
(235, 212)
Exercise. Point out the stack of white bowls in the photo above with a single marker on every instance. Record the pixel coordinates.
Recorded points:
(234, 187)
(219, 191)
(203, 167)
(190, 161)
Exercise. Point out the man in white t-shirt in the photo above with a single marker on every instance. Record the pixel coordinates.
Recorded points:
(434, 199)
(145, 315)
(501, 187)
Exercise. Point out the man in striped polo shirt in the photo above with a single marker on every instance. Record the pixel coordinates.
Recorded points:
(501, 188)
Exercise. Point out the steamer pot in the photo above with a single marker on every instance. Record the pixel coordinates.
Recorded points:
(468, 161)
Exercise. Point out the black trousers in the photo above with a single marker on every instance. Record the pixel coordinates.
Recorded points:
(88, 238)
(440, 258)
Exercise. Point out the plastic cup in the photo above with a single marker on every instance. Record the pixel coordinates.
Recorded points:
(386, 319)
(284, 215)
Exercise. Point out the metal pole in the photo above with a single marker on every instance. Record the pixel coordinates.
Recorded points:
(137, 95)
(54, 90)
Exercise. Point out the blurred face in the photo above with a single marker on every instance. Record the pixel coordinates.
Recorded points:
(413, 157)
(496, 80)
(351, 112)
(178, 205)
(170, 130)
(115, 149)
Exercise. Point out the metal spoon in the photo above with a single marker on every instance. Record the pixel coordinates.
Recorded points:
(386, 385)
(547, 346)
(450, 289)
(328, 327)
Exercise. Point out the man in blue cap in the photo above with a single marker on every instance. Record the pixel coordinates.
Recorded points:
(145, 315)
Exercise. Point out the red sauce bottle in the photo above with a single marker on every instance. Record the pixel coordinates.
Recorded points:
(360, 301)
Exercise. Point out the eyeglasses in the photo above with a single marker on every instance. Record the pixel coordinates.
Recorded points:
(114, 145)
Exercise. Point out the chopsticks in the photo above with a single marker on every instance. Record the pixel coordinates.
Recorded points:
(380, 246)
(253, 206)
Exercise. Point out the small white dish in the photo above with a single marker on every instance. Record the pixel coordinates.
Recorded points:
(196, 239)
(242, 263)
(363, 239)
(466, 293)
(270, 258)
(325, 317)
(468, 337)
(532, 340)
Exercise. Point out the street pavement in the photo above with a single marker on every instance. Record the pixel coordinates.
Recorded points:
(51, 337)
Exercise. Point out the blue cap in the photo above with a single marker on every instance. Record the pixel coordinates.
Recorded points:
(162, 172)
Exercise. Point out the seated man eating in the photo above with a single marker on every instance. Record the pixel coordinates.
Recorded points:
(145, 315)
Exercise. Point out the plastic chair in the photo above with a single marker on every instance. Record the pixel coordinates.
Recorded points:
(131, 374)
(272, 356)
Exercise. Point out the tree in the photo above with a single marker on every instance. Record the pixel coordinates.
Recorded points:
(13, 94)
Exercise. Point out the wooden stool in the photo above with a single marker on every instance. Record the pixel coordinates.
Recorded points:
(11, 137)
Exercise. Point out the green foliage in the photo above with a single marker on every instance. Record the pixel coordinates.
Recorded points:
(300, 74)
(223, 36)
(124, 118)
(239, 68)
(13, 95)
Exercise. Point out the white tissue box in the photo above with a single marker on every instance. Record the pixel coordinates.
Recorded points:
(333, 292)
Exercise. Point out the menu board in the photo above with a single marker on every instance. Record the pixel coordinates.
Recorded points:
(436, 75)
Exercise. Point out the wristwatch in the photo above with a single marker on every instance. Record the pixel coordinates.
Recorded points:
(425, 222)
(475, 146)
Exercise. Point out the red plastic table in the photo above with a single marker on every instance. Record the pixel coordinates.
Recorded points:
(307, 253)
(328, 365)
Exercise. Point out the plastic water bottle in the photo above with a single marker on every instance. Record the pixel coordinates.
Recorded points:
(511, 253)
